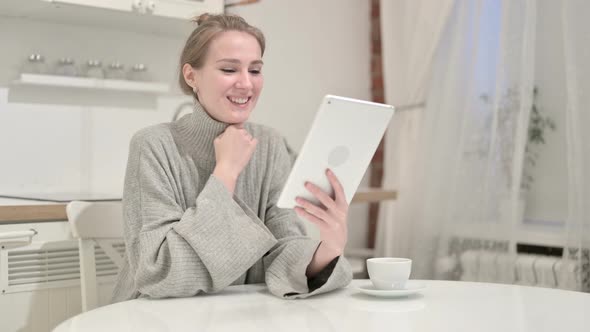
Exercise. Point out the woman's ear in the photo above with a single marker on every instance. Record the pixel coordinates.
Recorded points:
(189, 76)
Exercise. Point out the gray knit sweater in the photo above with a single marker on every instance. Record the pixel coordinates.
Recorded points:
(186, 234)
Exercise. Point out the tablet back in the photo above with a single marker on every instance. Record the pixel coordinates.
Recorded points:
(343, 137)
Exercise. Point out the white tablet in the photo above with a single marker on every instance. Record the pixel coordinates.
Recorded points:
(343, 137)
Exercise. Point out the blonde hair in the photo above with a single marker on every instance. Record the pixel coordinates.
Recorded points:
(209, 27)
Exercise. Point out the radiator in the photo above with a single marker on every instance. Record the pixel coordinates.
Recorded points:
(40, 279)
(521, 269)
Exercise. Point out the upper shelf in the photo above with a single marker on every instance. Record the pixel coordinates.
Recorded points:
(93, 83)
(159, 17)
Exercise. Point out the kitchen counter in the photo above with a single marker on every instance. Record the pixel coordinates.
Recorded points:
(14, 210)
(20, 210)
(39, 207)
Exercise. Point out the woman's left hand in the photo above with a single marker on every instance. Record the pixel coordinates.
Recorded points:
(330, 217)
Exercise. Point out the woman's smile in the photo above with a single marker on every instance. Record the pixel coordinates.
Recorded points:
(241, 102)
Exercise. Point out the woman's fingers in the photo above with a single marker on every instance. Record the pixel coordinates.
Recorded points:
(335, 208)
(339, 195)
(312, 208)
(321, 195)
(319, 222)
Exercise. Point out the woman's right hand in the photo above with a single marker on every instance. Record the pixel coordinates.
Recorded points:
(233, 150)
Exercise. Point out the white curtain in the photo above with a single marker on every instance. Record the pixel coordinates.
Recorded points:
(457, 163)
(577, 54)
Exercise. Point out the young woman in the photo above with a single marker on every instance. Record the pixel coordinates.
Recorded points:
(200, 193)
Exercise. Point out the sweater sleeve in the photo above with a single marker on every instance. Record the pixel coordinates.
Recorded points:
(181, 252)
(287, 262)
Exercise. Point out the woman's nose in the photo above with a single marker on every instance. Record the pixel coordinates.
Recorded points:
(244, 81)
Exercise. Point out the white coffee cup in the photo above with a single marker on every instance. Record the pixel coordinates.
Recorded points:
(389, 272)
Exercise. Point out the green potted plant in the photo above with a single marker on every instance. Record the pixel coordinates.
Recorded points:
(506, 129)
(538, 125)
(536, 134)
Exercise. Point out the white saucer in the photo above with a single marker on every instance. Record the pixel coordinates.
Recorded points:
(412, 287)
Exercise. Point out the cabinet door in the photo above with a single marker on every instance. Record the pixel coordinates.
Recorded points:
(184, 9)
(123, 5)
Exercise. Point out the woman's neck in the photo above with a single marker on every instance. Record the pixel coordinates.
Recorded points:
(196, 132)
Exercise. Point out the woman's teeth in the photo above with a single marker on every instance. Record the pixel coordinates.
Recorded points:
(238, 100)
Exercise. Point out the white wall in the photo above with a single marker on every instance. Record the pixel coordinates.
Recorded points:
(313, 48)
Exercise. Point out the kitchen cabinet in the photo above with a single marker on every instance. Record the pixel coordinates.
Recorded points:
(183, 9)
(122, 5)
(161, 17)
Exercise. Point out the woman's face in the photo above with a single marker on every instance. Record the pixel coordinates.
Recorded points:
(230, 80)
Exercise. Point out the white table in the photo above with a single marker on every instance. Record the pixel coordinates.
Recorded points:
(442, 306)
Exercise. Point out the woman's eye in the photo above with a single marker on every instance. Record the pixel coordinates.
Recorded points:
(255, 71)
(228, 70)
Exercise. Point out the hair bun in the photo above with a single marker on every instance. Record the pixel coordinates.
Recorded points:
(201, 18)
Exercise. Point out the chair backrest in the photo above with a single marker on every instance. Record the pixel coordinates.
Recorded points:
(95, 223)
(95, 220)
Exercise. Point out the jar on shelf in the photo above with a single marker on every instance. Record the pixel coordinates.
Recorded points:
(138, 72)
(115, 71)
(66, 67)
(35, 64)
(94, 69)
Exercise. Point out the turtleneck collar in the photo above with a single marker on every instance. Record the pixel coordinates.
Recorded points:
(198, 130)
